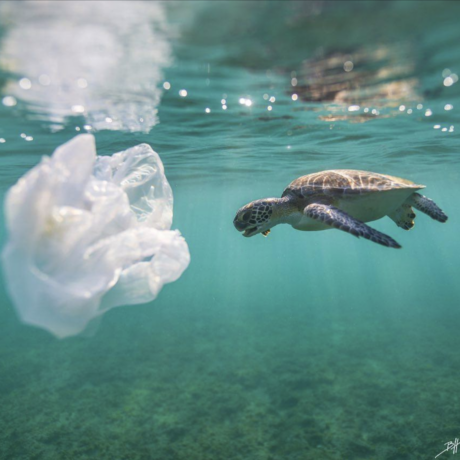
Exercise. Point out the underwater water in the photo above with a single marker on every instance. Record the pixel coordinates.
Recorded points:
(301, 345)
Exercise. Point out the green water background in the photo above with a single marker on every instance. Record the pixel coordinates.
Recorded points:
(296, 346)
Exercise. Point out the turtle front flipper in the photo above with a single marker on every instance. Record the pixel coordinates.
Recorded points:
(339, 219)
(427, 206)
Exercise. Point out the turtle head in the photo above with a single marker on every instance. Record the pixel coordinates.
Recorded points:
(255, 217)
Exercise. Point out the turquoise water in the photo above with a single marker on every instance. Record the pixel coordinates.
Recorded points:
(295, 346)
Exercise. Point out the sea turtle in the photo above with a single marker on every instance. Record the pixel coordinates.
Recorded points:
(342, 199)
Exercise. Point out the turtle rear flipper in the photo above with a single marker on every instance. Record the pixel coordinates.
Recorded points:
(403, 217)
(339, 219)
(427, 206)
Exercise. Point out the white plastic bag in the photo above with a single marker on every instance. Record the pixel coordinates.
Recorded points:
(89, 233)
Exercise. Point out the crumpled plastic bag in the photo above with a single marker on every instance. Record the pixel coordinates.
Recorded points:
(89, 233)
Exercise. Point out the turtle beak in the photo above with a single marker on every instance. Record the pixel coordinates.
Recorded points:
(240, 226)
(251, 231)
(243, 227)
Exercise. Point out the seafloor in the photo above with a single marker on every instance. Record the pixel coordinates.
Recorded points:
(232, 392)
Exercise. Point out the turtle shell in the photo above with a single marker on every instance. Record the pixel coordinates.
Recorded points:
(346, 182)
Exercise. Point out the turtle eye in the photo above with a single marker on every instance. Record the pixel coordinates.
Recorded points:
(247, 215)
